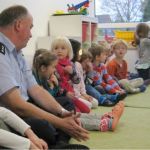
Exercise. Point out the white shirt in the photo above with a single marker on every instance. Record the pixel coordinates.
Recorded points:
(8, 139)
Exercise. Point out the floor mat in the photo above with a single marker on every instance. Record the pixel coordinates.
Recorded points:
(133, 130)
(140, 100)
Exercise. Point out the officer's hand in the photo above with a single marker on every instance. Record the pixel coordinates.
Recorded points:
(71, 126)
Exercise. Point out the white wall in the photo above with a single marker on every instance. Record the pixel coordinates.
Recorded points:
(41, 10)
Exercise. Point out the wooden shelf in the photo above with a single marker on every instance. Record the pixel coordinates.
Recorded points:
(79, 26)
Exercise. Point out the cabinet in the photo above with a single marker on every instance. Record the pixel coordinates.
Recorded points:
(80, 27)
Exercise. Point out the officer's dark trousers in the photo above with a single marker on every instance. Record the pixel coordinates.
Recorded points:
(47, 132)
(65, 102)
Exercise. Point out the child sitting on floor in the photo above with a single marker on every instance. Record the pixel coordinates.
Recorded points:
(103, 98)
(99, 75)
(79, 89)
(117, 67)
(44, 67)
(61, 47)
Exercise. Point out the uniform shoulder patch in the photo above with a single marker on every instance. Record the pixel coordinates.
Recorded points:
(2, 48)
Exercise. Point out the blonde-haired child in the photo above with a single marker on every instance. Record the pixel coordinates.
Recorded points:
(61, 46)
(118, 68)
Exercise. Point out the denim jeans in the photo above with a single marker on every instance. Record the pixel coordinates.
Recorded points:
(95, 93)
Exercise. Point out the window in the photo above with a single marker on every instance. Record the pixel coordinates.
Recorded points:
(119, 10)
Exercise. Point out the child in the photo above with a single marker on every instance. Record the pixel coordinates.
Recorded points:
(100, 77)
(106, 122)
(61, 46)
(108, 49)
(14, 141)
(79, 88)
(44, 67)
(117, 67)
(103, 98)
(142, 40)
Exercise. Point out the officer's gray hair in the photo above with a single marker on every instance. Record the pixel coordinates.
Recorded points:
(9, 15)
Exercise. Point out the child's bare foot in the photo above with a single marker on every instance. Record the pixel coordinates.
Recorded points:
(116, 113)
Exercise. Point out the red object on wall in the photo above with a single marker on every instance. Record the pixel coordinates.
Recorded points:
(93, 28)
(84, 31)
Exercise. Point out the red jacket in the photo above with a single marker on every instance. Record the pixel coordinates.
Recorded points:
(64, 78)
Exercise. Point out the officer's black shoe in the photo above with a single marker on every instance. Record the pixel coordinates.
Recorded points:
(75, 147)
(72, 146)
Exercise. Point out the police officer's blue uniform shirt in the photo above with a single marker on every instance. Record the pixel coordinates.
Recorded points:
(14, 71)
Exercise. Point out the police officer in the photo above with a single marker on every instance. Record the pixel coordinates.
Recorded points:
(17, 82)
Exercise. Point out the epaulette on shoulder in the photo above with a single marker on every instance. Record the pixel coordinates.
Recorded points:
(2, 48)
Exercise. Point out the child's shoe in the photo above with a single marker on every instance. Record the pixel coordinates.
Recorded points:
(147, 82)
(121, 96)
(107, 103)
(116, 97)
(110, 120)
(142, 88)
(121, 104)
(116, 113)
(112, 97)
(104, 124)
